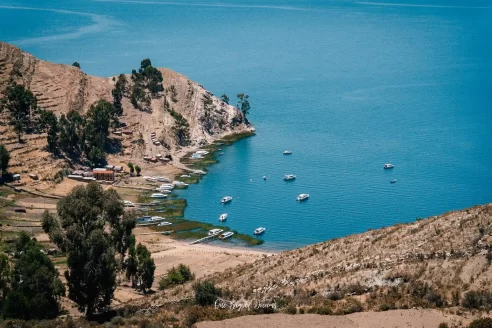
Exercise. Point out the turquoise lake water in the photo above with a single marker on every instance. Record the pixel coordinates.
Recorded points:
(346, 85)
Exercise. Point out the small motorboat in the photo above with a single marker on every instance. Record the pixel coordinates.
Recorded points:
(180, 183)
(163, 179)
(196, 156)
(393, 181)
(151, 179)
(201, 152)
(289, 177)
(185, 176)
(223, 217)
(214, 232)
(388, 166)
(302, 197)
(164, 223)
(287, 152)
(226, 235)
(264, 177)
(166, 186)
(156, 219)
(127, 203)
(226, 199)
(259, 231)
(200, 172)
(163, 191)
(158, 195)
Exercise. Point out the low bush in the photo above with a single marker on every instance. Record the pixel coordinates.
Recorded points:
(481, 323)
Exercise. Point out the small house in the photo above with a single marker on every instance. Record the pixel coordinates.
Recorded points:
(118, 168)
(103, 175)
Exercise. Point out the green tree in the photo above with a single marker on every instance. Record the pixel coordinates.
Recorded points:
(138, 169)
(96, 131)
(225, 98)
(21, 105)
(145, 268)
(88, 229)
(5, 276)
(76, 64)
(131, 263)
(49, 123)
(243, 104)
(4, 159)
(206, 293)
(35, 286)
(71, 131)
(118, 92)
(131, 167)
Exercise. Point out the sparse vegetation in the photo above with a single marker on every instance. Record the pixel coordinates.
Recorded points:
(176, 276)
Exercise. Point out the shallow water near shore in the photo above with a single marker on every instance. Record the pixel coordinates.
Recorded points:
(347, 86)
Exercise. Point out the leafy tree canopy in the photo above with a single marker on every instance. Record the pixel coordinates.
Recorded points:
(4, 158)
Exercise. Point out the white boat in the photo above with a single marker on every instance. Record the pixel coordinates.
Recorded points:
(151, 179)
(214, 232)
(156, 219)
(166, 186)
(185, 176)
(388, 166)
(163, 191)
(200, 172)
(302, 197)
(223, 217)
(288, 177)
(163, 179)
(201, 152)
(393, 181)
(196, 156)
(259, 231)
(158, 195)
(226, 199)
(226, 235)
(164, 223)
(287, 152)
(180, 183)
(127, 203)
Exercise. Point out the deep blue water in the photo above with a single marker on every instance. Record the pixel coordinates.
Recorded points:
(346, 85)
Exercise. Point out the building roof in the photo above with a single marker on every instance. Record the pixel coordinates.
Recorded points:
(103, 172)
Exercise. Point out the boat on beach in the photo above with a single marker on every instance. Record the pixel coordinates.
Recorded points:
(200, 172)
(164, 223)
(127, 203)
(180, 183)
(226, 199)
(151, 179)
(223, 217)
(289, 177)
(259, 231)
(201, 152)
(214, 232)
(226, 235)
(163, 179)
(287, 152)
(163, 191)
(158, 195)
(388, 166)
(302, 197)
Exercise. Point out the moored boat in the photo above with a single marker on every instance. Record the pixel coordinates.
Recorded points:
(223, 217)
(226, 235)
(164, 223)
(287, 152)
(259, 231)
(214, 232)
(302, 197)
(226, 199)
(158, 195)
(289, 177)
(393, 181)
(388, 166)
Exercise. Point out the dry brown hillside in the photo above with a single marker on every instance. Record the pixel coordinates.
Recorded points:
(433, 262)
(61, 88)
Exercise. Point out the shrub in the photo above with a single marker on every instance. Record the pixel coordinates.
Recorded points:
(477, 299)
(443, 325)
(291, 309)
(117, 321)
(481, 323)
(176, 276)
(206, 293)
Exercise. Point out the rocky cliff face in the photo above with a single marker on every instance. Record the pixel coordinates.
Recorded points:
(61, 88)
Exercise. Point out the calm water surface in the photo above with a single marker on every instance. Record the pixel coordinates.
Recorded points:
(346, 85)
